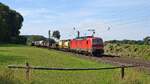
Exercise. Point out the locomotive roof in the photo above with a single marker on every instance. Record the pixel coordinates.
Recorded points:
(85, 37)
(65, 40)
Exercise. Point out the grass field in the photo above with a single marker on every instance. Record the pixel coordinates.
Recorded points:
(128, 50)
(19, 54)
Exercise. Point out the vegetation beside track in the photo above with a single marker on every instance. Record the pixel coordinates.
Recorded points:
(19, 54)
(129, 50)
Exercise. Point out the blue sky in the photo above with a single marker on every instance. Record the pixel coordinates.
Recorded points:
(128, 19)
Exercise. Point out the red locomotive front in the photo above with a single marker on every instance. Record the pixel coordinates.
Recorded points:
(88, 44)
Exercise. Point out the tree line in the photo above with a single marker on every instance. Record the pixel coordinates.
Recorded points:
(31, 38)
(146, 41)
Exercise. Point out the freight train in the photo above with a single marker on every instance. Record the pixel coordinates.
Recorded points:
(85, 45)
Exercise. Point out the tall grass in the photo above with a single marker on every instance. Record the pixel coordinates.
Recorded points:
(8, 77)
(128, 50)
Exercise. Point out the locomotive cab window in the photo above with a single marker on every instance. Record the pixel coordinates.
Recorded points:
(97, 41)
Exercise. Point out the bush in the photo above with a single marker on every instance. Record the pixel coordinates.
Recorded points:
(135, 51)
(19, 40)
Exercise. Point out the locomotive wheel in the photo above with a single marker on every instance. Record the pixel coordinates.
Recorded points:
(93, 53)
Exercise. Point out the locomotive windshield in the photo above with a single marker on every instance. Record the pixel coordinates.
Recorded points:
(97, 41)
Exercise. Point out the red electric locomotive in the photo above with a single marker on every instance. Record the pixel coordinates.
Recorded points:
(89, 44)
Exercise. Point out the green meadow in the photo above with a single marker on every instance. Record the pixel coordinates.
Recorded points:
(20, 54)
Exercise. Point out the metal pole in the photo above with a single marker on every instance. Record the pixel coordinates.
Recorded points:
(49, 36)
(78, 34)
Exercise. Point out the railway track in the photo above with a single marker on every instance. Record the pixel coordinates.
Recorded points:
(124, 61)
(117, 60)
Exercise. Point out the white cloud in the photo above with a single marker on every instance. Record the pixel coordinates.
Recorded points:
(39, 15)
(35, 12)
(117, 3)
(83, 18)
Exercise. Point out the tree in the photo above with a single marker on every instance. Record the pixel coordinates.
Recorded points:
(56, 34)
(10, 24)
(31, 38)
(146, 40)
(139, 42)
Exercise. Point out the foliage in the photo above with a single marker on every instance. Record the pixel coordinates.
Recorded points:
(10, 23)
(31, 38)
(19, 40)
(128, 50)
(35, 37)
(50, 58)
(139, 42)
(56, 34)
(147, 40)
